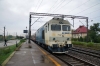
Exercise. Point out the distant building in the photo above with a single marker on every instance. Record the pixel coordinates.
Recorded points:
(81, 31)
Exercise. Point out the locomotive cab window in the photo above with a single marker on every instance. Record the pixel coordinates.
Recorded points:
(65, 27)
(55, 27)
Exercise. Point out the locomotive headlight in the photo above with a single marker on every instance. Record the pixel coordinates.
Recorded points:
(53, 38)
(67, 38)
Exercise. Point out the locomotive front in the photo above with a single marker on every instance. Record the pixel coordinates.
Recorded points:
(59, 35)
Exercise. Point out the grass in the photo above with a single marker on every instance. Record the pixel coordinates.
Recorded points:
(6, 51)
(90, 45)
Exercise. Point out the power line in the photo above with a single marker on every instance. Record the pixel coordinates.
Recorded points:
(79, 6)
(59, 5)
(81, 22)
(39, 5)
(63, 5)
(93, 11)
(36, 21)
(88, 8)
(94, 17)
(36, 5)
(52, 6)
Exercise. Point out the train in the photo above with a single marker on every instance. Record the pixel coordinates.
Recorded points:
(55, 35)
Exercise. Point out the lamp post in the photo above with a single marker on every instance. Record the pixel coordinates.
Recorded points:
(16, 40)
(26, 34)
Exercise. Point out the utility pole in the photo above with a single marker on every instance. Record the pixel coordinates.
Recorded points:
(29, 28)
(87, 29)
(5, 38)
(4, 33)
(26, 34)
(16, 40)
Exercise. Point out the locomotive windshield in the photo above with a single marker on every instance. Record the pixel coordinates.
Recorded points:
(55, 27)
(65, 27)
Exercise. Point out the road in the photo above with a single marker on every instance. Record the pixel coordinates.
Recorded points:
(10, 42)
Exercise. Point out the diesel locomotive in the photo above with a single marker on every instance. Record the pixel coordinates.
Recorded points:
(55, 35)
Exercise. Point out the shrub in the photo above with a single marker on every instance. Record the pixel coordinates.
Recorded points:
(90, 44)
(7, 50)
(22, 40)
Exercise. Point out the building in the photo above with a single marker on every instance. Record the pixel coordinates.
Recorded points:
(81, 31)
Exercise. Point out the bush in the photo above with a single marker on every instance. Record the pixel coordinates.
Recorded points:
(78, 43)
(22, 40)
(90, 44)
(7, 50)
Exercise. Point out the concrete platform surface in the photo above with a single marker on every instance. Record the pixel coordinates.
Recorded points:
(29, 57)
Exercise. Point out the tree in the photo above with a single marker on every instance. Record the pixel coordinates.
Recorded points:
(94, 33)
(1, 37)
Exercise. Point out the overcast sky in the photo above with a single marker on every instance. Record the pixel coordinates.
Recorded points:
(14, 14)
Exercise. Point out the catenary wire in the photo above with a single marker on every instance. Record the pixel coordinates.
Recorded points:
(52, 6)
(59, 5)
(92, 11)
(88, 8)
(36, 5)
(78, 6)
(39, 5)
(62, 6)
(56, 7)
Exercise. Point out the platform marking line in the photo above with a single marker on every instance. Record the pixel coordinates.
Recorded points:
(31, 53)
(33, 60)
(55, 62)
(32, 57)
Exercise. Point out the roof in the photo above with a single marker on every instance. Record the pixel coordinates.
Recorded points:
(81, 29)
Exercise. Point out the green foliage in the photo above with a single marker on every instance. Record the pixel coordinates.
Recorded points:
(94, 33)
(74, 39)
(1, 37)
(90, 44)
(6, 51)
(78, 43)
(22, 40)
(87, 45)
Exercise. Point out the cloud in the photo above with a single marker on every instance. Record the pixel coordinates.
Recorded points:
(14, 14)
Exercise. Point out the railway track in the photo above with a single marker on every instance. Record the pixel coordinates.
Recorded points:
(71, 60)
(89, 56)
(87, 52)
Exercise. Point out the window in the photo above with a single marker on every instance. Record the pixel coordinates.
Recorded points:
(48, 26)
(65, 27)
(43, 36)
(45, 29)
(55, 27)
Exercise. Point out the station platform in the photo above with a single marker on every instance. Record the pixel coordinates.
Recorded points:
(34, 56)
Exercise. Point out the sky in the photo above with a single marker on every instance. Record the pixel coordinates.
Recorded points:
(14, 14)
